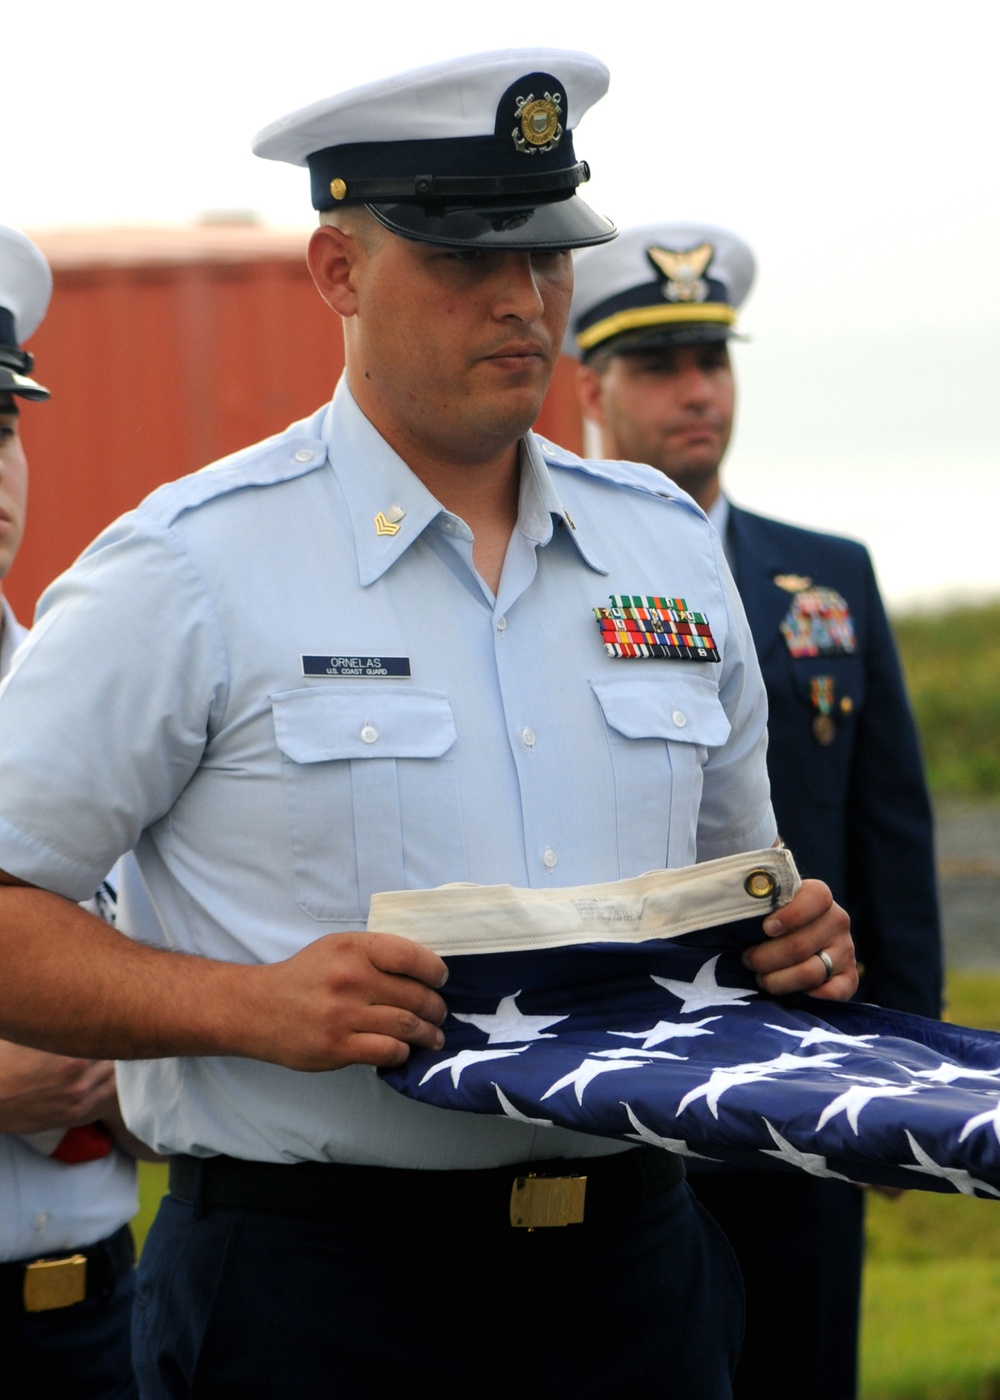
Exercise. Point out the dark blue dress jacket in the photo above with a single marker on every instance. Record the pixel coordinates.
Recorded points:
(854, 809)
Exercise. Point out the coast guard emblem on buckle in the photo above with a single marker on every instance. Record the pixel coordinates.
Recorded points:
(683, 271)
(538, 128)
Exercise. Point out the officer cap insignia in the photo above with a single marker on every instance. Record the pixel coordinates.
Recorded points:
(537, 128)
(662, 285)
(683, 271)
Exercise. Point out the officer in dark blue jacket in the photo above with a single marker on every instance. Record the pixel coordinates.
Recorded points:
(652, 316)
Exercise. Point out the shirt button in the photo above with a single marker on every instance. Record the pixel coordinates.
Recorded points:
(528, 738)
(304, 454)
(549, 858)
(679, 718)
(42, 1221)
(369, 733)
(501, 624)
(448, 526)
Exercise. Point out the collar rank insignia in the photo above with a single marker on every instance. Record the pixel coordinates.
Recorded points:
(638, 626)
(537, 128)
(819, 623)
(683, 271)
(387, 521)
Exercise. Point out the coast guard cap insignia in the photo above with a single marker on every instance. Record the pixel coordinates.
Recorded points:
(537, 128)
(683, 271)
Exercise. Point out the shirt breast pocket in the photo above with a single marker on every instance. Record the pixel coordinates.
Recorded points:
(659, 732)
(371, 797)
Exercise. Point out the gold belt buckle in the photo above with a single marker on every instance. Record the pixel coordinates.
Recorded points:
(55, 1283)
(538, 1202)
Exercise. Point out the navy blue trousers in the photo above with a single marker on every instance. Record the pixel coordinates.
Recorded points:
(800, 1245)
(251, 1304)
(82, 1351)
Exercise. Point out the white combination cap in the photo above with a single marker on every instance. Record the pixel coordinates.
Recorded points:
(470, 152)
(660, 285)
(25, 289)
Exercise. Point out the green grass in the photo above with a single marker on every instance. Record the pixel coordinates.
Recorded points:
(152, 1186)
(952, 666)
(930, 1330)
(932, 1276)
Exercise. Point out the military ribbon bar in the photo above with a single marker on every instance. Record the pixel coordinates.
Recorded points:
(639, 626)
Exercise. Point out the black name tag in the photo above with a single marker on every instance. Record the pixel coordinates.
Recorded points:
(356, 667)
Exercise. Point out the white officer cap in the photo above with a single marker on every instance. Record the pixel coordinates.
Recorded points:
(470, 152)
(25, 289)
(660, 285)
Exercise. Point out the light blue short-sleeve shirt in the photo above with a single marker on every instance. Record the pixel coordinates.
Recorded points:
(51, 1206)
(311, 695)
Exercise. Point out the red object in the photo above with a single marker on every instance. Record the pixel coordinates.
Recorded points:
(84, 1144)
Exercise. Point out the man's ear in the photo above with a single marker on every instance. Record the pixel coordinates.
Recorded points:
(333, 257)
(589, 395)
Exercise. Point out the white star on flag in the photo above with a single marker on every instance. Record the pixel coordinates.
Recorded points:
(858, 1096)
(511, 1112)
(959, 1178)
(667, 1030)
(508, 1024)
(465, 1058)
(589, 1070)
(991, 1117)
(722, 1080)
(810, 1162)
(819, 1035)
(948, 1074)
(704, 991)
(678, 1145)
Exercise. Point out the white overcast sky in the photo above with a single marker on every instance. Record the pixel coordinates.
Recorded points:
(853, 145)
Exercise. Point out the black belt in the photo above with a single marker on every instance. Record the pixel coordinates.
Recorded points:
(39, 1285)
(594, 1190)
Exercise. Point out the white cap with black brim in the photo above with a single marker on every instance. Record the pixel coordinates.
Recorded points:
(473, 152)
(658, 286)
(25, 289)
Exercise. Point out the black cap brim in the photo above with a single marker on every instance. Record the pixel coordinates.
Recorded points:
(19, 384)
(562, 223)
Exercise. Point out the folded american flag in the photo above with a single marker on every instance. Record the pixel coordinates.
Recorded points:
(668, 1041)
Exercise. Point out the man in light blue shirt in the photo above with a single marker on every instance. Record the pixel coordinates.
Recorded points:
(67, 1191)
(363, 655)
